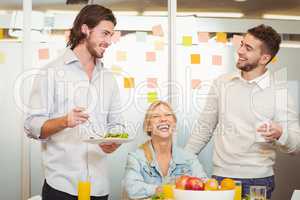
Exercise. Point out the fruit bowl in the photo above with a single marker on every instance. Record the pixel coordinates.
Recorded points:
(209, 195)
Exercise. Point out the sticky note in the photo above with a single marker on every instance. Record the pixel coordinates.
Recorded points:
(195, 58)
(187, 40)
(43, 54)
(121, 55)
(141, 36)
(203, 36)
(116, 69)
(1, 33)
(236, 40)
(221, 37)
(116, 36)
(274, 60)
(152, 97)
(158, 45)
(195, 83)
(152, 82)
(128, 82)
(150, 56)
(217, 60)
(2, 57)
(157, 30)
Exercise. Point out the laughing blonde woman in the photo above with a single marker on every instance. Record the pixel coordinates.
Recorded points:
(159, 158)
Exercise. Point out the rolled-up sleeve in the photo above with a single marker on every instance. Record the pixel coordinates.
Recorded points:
(39, 105)
(135, 185)
(287, 117)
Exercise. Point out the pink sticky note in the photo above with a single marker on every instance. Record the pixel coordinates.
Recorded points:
(217, 60)
(236, 40)
(152, 82)
(157, 30)
(150, 56)
(196, 83)
(203, 36)
(43, 54)
(116, 36)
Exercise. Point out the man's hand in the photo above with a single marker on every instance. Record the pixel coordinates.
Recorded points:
(109, 148)
(271, 133)
(76, 116)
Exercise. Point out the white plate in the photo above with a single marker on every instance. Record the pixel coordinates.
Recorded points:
(108, 140)
(205, 195)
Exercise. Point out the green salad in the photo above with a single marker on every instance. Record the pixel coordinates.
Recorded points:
(116, 135)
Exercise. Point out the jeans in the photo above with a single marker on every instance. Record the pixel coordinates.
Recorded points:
(269, 182)
(50, 193)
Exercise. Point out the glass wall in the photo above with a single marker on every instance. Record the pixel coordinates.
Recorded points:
(206, 45)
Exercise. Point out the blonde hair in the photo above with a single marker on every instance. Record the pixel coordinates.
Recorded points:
(149, 112)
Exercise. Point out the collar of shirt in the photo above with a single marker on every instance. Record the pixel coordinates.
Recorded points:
(176, 157)
(70, 57)
(263, 81)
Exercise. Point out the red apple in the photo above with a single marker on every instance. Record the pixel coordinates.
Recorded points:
(181, 182)
(194, 183)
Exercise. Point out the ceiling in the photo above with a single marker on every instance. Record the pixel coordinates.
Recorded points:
(250, 8)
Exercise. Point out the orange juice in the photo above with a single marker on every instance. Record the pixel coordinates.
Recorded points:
(84, 190)
(168, 191)
(238, 190)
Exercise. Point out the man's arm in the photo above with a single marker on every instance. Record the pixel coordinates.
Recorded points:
(204, 127)
(38, 123)
(72, 119)
(114, 115)
(285, 130)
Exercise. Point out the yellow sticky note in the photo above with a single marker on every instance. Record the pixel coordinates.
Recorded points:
(150, 56)
(221, 37)
(1, 33)
(157, 30)
(196, 83)
(152, 97)
(195, 59)
(236, 41)
(2, 57)
(116, 69)
(203, 36)
(274, 60)
(187, 40)
(116, 36)
(128, 82)
(158, 45)
(121, 56)
(152, 82)
(217, 60)
(43, 54)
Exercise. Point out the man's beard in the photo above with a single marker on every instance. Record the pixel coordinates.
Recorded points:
(91, 48)
(248, 66)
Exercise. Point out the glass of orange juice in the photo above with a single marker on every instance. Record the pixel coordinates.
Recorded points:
(238, 190)
(84, 190)
(168, 186)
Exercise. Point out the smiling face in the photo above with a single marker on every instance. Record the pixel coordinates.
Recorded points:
(162, 122)
(99, 38)
(251, 54)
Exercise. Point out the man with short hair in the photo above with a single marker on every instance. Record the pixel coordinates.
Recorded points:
(243, 106)
(74, 96)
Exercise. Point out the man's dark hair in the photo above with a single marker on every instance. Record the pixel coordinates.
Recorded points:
(270, 38)
(91, 15)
